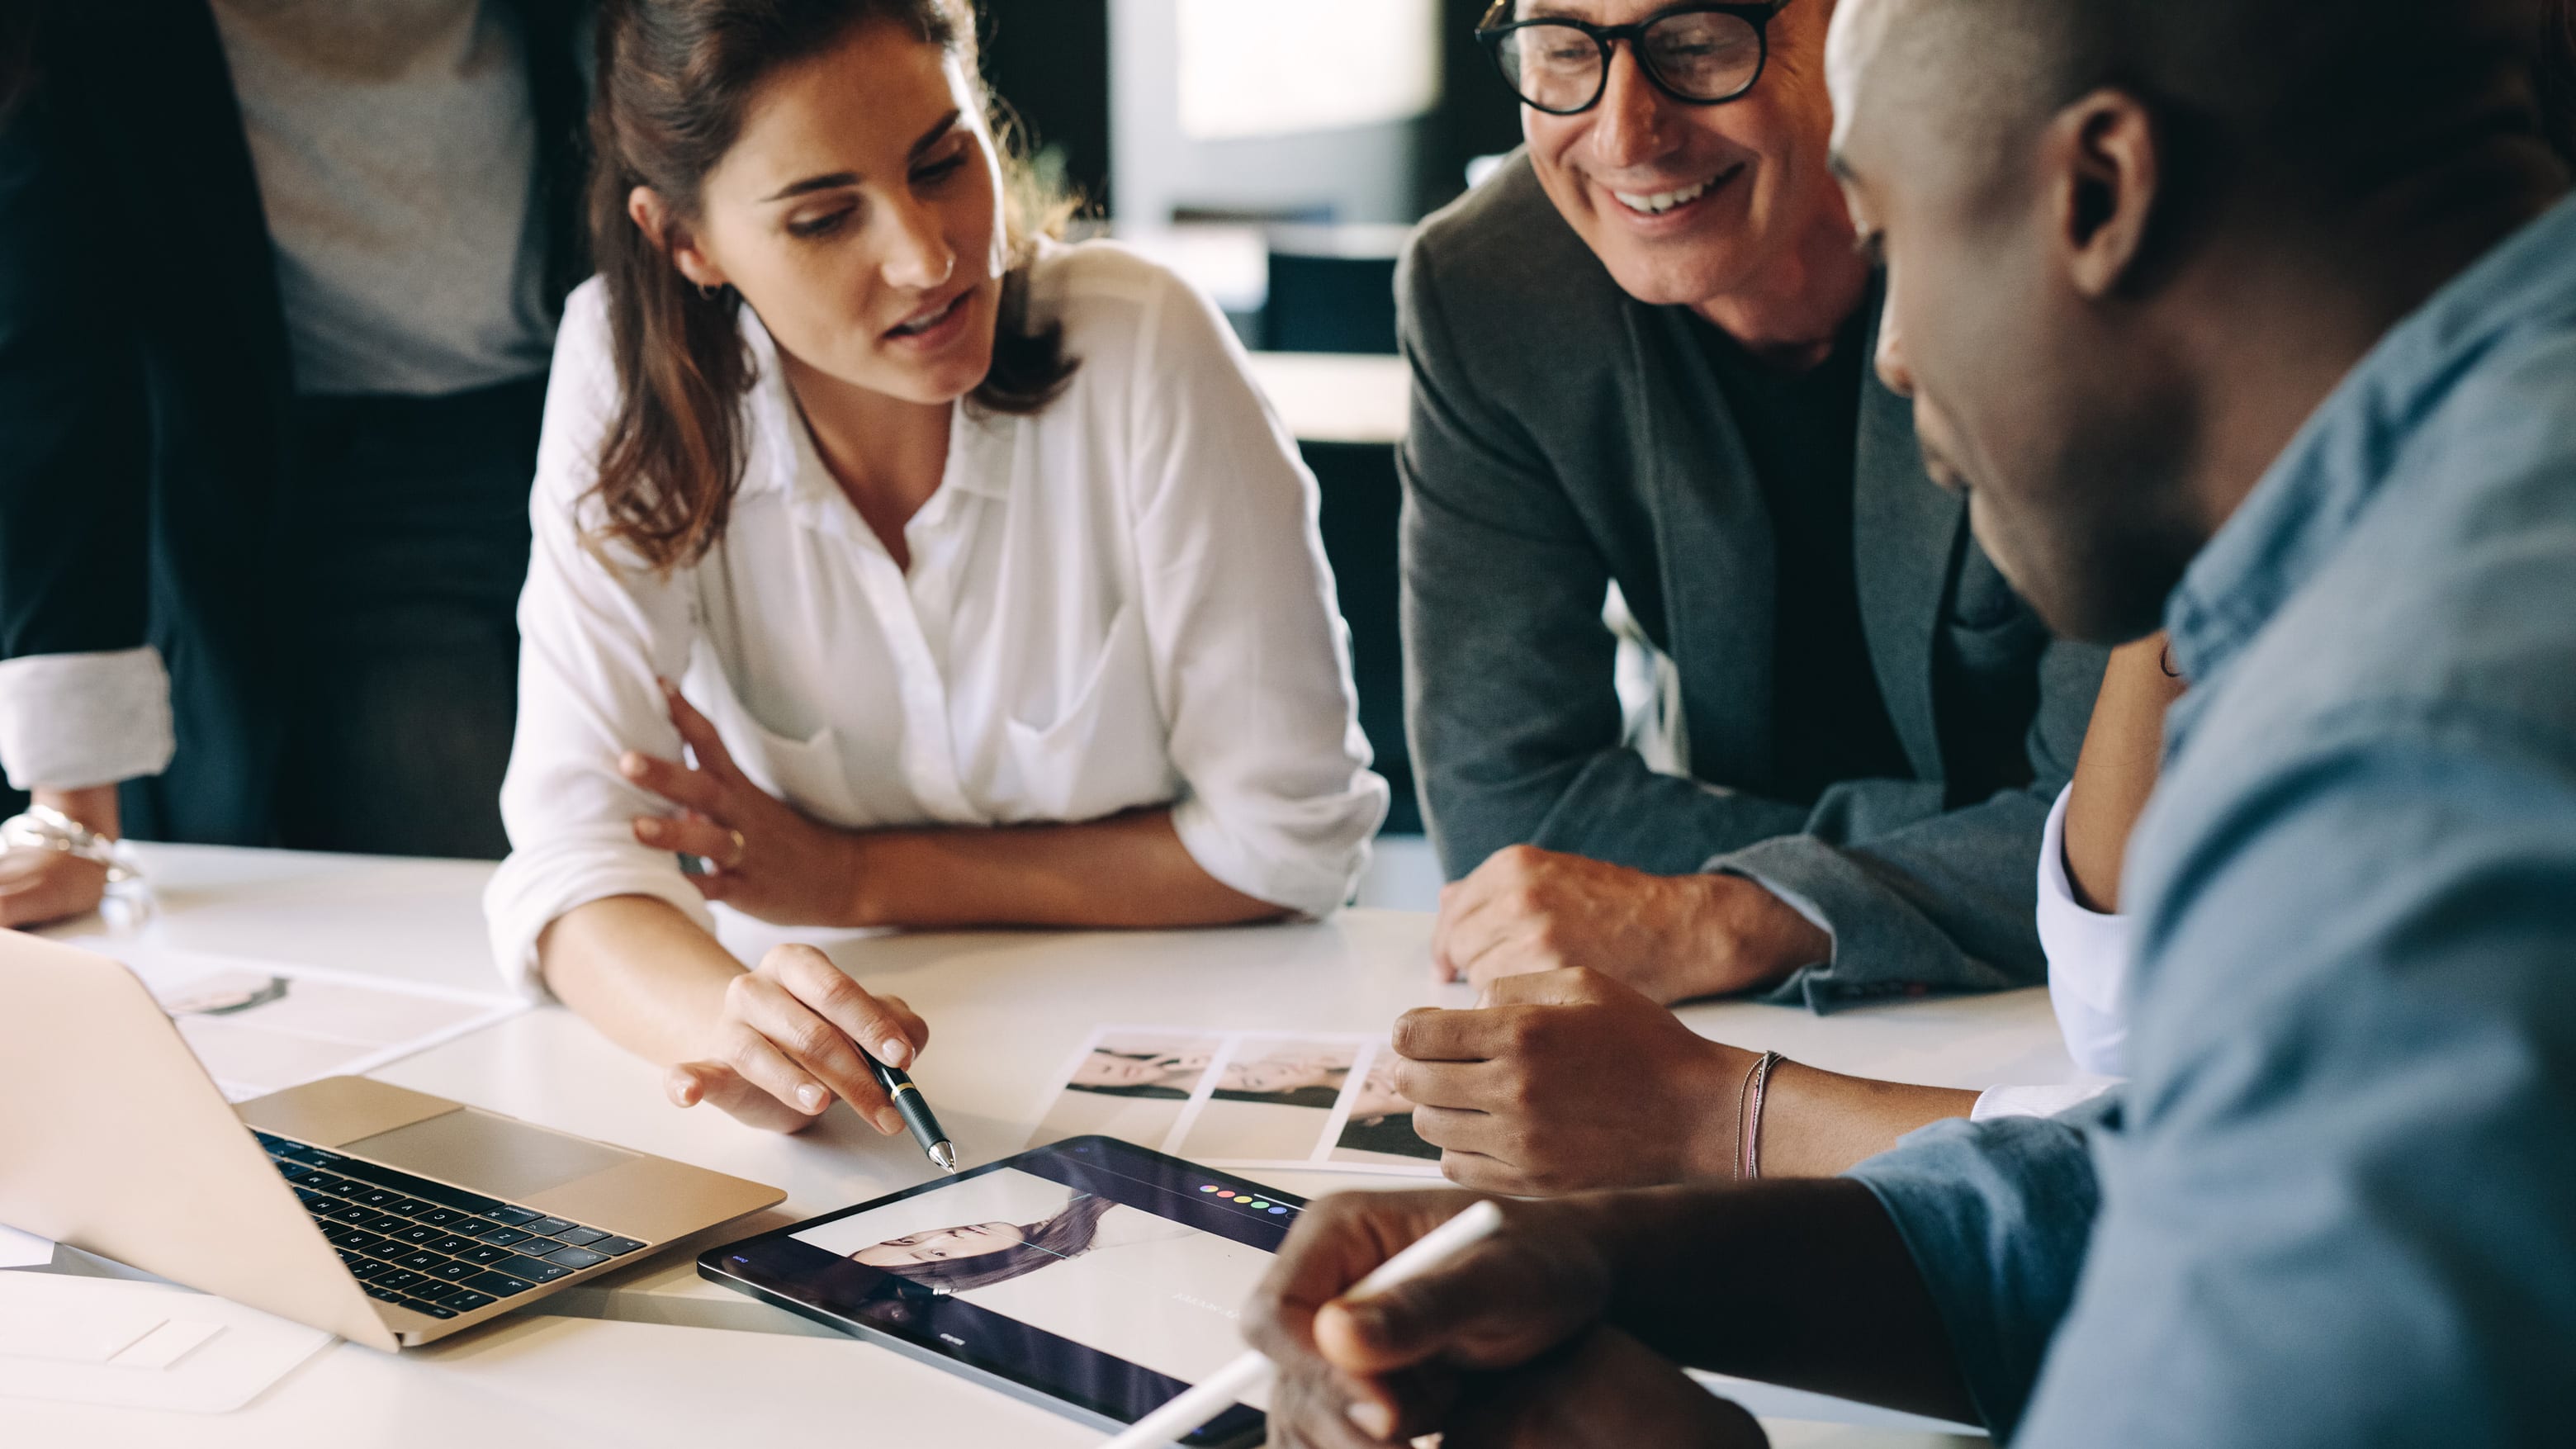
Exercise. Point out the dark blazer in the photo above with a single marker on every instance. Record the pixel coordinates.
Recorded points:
(1565, 436)
(145, 376)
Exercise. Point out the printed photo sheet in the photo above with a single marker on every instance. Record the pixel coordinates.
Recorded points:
(1240, 1099)
(263, 1026)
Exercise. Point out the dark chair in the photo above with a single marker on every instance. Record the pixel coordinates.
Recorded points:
(1332, 289)
(1360, 503)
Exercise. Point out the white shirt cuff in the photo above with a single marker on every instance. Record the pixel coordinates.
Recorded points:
(71, 721)
(2088, 961)
(1997, 1102)
(535, 887)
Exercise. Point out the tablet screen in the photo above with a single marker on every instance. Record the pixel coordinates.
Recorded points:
(1092, 1272)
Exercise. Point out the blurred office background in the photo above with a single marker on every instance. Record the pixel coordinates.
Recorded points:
(1276, 155)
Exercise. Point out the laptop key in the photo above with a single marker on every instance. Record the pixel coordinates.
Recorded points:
(503, 1237)
(387, 1294)
(419, 1234)
(466, 1300)
(546, 1227)
(514, 1217)
(312, 1200)
(352, 1214)
(577, 1237)
(397, 1279)
(355, 1240)
(320, 1182)
(385, 1223)
(291, 1170)
(499, 1285)
(452, 1245)
(616, 1247)
(378, 1198)
(367, 1270)
(410, 1207)
(423, 1305)
(576, 1258)
(455, 1272)
(422, 1261)
(438, 1217)
(483, 1253)
(535, 1270)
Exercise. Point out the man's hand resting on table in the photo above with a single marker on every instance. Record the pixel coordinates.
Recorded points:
(1502, 1348)
(1671, 937)
(1567, 1081)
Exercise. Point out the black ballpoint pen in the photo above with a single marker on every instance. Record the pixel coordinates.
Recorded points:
(916, 1113)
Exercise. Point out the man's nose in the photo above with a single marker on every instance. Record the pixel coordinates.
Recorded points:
(1893, 369)
(1634, 123)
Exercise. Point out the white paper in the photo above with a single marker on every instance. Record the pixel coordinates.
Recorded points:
(1306, 1101)
(263, 1026)
(140, 1345)
(1271, 70)
(23, 1250)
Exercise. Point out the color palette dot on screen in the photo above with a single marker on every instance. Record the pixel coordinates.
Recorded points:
(1211, 1187)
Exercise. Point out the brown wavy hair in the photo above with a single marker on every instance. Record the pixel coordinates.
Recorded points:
(675, 79)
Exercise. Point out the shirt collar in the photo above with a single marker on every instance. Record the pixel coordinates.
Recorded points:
(2315, 493)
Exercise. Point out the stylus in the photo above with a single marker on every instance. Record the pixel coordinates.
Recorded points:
(916, 1114)
(1209, 1397)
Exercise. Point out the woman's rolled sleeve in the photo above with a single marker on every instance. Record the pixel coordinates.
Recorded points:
(1251, 656)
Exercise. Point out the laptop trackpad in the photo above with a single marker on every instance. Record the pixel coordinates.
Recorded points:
(488, 1154)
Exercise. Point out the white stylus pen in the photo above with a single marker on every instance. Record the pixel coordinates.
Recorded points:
(1210, 1396)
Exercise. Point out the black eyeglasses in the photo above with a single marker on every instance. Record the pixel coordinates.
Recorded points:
(1700, 55)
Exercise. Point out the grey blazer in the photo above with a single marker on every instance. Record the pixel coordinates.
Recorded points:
(1565, 436)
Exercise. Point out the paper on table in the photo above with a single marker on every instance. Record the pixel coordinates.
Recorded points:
(23, 1250)
(140, 1345)
(1306, 1101)
(262, 1026)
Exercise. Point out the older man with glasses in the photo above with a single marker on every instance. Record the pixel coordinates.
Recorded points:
(1711, 692)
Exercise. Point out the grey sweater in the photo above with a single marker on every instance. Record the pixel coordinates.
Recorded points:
(1565, 437)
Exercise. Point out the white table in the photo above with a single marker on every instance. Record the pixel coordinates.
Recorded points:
(656, 1356)
(1337, 397)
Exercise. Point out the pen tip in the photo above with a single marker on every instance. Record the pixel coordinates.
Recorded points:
(945, 1155)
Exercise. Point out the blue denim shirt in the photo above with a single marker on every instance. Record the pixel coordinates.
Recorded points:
(2336, 1204)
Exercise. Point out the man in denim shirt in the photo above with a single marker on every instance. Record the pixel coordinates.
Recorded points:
(2256, 318)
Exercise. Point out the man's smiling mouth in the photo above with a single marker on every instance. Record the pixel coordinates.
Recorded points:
(1656, 203)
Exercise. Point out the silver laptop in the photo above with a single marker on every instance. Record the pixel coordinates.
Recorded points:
(385, 1216)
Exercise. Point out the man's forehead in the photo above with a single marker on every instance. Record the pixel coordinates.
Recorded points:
(1859, 30)
(1597, 12)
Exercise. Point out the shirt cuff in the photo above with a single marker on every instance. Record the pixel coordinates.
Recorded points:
(1996, 1216)
(1998, 1102)
(2088, 960)
(534, 888)
(71, 721)
(1314, 857)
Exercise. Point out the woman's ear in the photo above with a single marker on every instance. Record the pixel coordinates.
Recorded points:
(652, 216)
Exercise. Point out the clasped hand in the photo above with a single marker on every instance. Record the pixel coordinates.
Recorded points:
(763, 857)
(1671, 937)
(1504, 1347)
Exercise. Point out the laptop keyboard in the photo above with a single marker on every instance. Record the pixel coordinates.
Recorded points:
(428, 1247)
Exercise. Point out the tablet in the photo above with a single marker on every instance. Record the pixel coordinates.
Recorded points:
(1091, 1276)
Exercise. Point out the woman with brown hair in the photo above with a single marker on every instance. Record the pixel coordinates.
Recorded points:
(894, 566)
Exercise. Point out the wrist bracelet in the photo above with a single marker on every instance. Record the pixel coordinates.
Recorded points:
(45, 828)
(1748, 1129)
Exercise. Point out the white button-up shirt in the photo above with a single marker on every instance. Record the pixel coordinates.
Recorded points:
(1119, 602)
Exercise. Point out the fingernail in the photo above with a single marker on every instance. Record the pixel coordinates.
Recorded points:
(889, 1122)
(630, 764)
(894, 1051)
(651, 832)
(810, 1097)
(1373, 1419)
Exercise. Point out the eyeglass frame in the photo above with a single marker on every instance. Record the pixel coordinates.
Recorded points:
(1758, 15)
